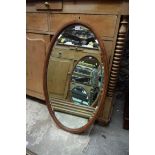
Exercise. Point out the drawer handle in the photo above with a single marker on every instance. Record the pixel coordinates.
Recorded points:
(46, 4)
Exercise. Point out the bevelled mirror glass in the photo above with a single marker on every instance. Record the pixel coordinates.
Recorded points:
(75, 78)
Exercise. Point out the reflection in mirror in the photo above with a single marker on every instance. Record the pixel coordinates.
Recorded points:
(86, 81)
(79, 95)
(77, 35)
(75, 76)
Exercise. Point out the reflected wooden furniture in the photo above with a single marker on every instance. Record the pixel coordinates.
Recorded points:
(64, 58)
(109, 18)
(73, 109)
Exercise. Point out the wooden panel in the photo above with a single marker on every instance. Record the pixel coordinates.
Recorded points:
(35, 62)
(89, 6)
(37, 21)
(108, 47)
(46, 38)
(35, 94)
(105, 114)
(58, 77)
(63, 52)
(74, 53)
(36, 46)
(103, 24)
(97, 6)
(51, 5)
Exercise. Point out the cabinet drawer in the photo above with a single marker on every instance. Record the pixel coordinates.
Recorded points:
(104, 25)
(63, 53)
(37, 21)
(44, 38)
(52, 5)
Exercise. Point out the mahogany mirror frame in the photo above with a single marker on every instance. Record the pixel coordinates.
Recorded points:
(105, 81)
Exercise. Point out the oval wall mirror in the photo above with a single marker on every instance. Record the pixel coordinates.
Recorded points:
(75, 78)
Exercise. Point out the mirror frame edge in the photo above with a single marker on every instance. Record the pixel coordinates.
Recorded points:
(102, 94)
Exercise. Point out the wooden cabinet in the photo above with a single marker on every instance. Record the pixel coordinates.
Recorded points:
(106, 26)
(49, 5)
(62, 62)
(36, 46)
(37, 21)
(58, 80)
(109, 19)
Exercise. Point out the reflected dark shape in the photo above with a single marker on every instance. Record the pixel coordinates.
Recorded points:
(77, 35)
(86, 81)
(79, 96)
